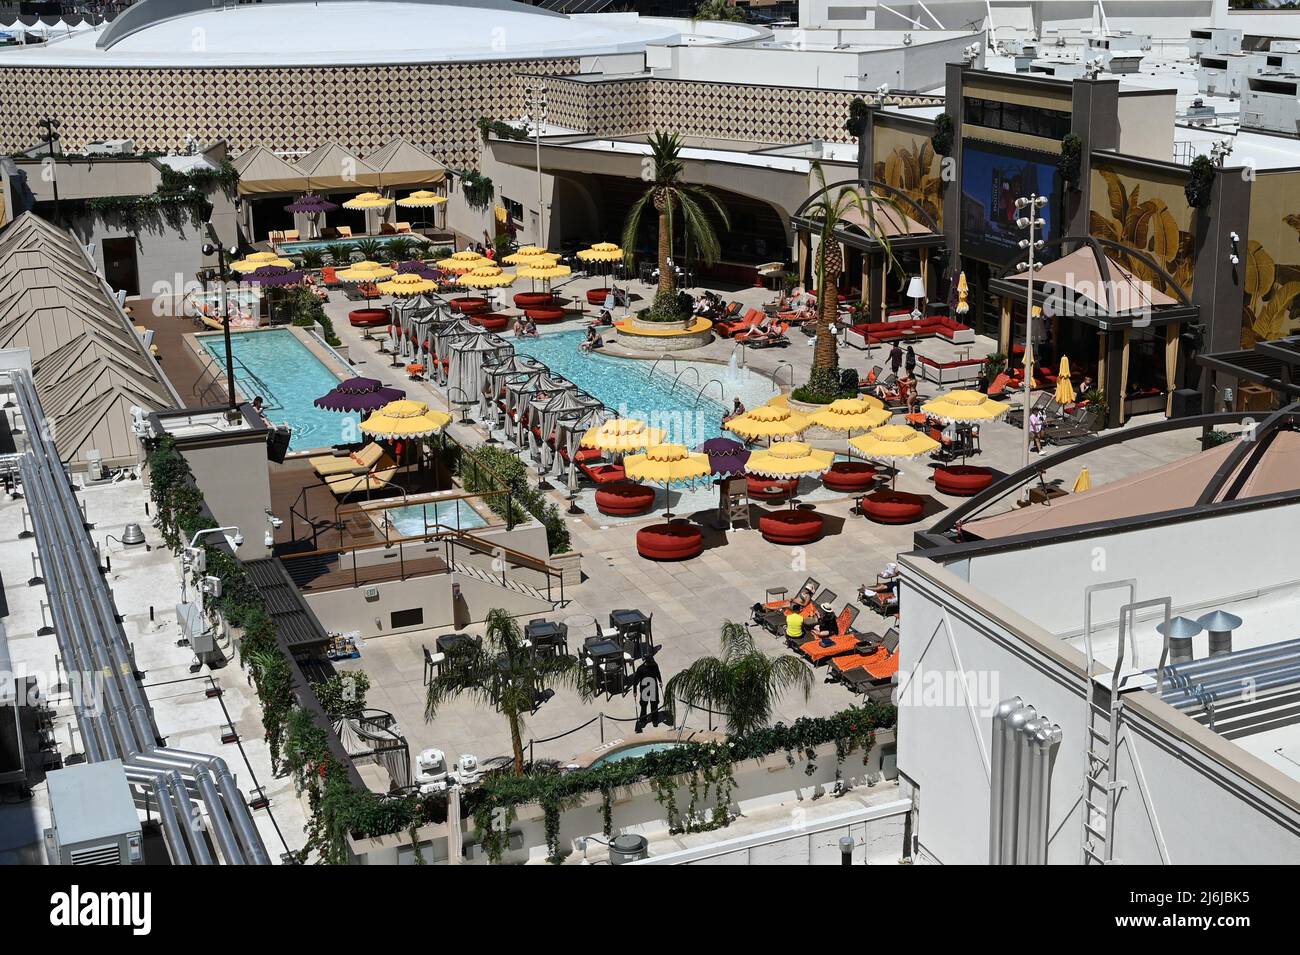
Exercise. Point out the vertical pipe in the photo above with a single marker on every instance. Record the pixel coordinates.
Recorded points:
(1011, 782)
(1027, 800)
(998, 770)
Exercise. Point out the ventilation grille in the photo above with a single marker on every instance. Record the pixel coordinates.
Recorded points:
(96, 855)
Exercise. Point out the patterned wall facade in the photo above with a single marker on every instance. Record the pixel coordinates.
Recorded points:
(434, 105)
(1272, 273)
(1144, 209)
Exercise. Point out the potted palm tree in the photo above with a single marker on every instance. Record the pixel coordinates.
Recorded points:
(830, 208)
(340, 254)
(502, 671)
(672, 197)
(369, 249)
(311, 259)
(744, 683)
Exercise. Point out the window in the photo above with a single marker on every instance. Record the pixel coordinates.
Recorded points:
(513, 209)
(847, 13)
(1017, 118)
(406, 618)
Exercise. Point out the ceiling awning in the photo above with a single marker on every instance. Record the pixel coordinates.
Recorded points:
(399, 163)
(262, 171)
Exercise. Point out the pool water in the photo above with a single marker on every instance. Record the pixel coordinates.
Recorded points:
(631, 752)
(637, 389)
(294, 248)
(411, 521)
(280, 368)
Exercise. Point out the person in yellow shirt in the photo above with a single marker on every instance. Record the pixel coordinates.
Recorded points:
(793, 624)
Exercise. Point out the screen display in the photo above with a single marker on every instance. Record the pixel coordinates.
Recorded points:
(992, 178)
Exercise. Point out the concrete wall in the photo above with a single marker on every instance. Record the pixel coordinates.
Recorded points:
(1146, 125)
(345, 611)
(1188, 798)
(234, 481)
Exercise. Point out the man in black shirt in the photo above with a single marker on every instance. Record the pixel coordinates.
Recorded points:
(648, 682)
(828, 625)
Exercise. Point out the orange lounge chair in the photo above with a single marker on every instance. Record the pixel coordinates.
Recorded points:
(603, 473)
(756, 337)
(844, 641)
(735, 326)
(998, 385)
(881, 664)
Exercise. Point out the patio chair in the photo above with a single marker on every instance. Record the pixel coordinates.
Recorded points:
(345, 231)
(774, 620)
(778, 598)
(845, 640)
(387, 228)
(1016, 416)
(403, 226)
(346, 486)
(335, 465)
(1074, 429)
(879, 660)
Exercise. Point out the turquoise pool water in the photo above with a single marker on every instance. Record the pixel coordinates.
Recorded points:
(280, 368)
(636, 389)
(413, 520)
(293, 248)
(631, 752)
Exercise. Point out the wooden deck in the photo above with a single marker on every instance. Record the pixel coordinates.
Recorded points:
(178, 360)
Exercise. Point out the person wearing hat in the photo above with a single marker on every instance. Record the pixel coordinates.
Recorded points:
(827, 626)
(649, 689)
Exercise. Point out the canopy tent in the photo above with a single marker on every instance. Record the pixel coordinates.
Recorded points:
(548, 412)
(569, 431)
(417, 319)
(262, 172)
(1081, 274)
(399, 163)
(494, 373)
(331, 166)
(468, 353)
(525, 393)
(444, 333)
(880, 219)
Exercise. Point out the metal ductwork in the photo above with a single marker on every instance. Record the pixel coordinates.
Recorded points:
(1023, 753)
(92, 641)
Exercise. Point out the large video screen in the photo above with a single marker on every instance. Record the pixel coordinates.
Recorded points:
(992, 178)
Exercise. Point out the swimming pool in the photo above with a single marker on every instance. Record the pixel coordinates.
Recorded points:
(630, 752)
(639, 389)
(411, 521)
(295, 248)
(276, 365)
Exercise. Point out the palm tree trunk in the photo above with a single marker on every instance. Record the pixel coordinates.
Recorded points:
(667, 285)
(826, 354)
(516, 743)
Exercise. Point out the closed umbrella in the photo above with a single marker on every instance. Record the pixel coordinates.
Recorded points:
(667, 464)
(892, 442)
(1083, 482)
(726, 457)
(1064, 387)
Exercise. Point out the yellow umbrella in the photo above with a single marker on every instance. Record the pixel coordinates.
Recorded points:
(667, 464)
(524, 254)
(1064, 387)
(768, 421)
(461, 262)
(963, 290)
(1083, 482)
(257, 260)
(422, 199)
(620, 435)
(852, 414)
(365, 271)
(405, 418)
(597, 254)
(408, 283)
(892, 442)
(487, 276)
(965, 405)
(368, 200)
(790, 459)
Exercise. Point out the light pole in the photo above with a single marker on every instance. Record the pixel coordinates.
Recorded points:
(214, 247)
(1029, 206)
(537, 116)
(49, 127)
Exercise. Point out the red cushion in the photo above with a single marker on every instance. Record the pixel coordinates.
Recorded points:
(856, 476)
(468, 304)
(791, 527)
(368, 317)
(533, 299)
(893, 507)
(492, 321)
(545, 315)
(597, 296)
(625, 498)
(962, 480)
(676, 541)
(758, 487)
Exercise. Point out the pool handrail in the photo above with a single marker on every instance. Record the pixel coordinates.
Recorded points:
(678, 377)
(722, 392)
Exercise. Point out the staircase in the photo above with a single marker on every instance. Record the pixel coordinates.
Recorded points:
(516, 586)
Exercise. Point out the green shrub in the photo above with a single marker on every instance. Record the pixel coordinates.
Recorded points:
(490, 468)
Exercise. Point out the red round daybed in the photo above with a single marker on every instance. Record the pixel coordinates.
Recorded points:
(469, 305)
(545, 315)
(597, 296)
(758, 488)
(676, 541)
(791, 527)
(850, 476)
(533, 299)
(625, 499)
(492, 321)
(368, 317)
(893, 507)
(962, 480)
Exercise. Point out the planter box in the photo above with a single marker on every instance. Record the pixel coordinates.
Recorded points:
(570, 565)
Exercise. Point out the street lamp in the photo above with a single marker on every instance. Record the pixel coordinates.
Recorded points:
(214, 247)
(49, 127)
(1029, 207)
(537, 116)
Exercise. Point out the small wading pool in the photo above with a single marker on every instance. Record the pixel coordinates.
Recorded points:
(631, 752)
(414, 519)
(283, 371)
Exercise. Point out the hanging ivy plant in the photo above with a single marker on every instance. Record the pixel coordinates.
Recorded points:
(477, 190)
(1200, 182)
(1071, 159)
(859, 112)
(941, 136)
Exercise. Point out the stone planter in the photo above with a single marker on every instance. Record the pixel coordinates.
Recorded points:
(652, 327)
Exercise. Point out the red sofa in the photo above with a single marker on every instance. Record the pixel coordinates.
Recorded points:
(962, 480)
(791, 527)
(850, 477)
(368, 317)
(758, 488)
(533, 299)
(893, 507)
(900, 329)
(676, 541)
(625, 499)
(492, 321)
(469, 305)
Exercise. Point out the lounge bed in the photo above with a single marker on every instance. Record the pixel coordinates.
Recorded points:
(331, 465)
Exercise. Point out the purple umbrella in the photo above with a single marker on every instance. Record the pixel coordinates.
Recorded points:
(274, 276)
(725, 456)
(362, 395)
(417, 268)
(311, 204)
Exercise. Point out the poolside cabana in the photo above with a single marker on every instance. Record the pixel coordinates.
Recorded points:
(467, 356)
(546, 384)
(493, 374)
(443, 334)
(1113, 310)
(548, 412)
(895, 224)
(417, 318)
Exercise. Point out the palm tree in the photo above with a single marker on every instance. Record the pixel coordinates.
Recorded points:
(311, 258)
(501, 671)
(718, 10)
(399, 249)
(744, 683)
(671, 196)
(830, 209)
(340, 254)
(369, 249)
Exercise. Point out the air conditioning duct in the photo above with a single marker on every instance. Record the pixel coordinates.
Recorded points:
(1023, 753)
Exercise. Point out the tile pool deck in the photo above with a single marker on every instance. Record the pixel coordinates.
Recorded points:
(690, 599)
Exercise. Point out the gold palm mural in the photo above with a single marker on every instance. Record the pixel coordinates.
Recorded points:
(1272, 262)
(1145, 215)
(912, 168)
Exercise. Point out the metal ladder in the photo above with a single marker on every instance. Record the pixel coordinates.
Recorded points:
(1101, 787)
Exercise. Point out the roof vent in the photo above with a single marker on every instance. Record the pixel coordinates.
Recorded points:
(1220, 625)
(1179, 637)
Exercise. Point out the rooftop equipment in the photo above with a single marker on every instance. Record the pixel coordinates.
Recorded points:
(93, 815)
(1179, 633)
(1220, 625)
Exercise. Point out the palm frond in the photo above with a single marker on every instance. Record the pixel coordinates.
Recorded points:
(632, 225)
(699, 229)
